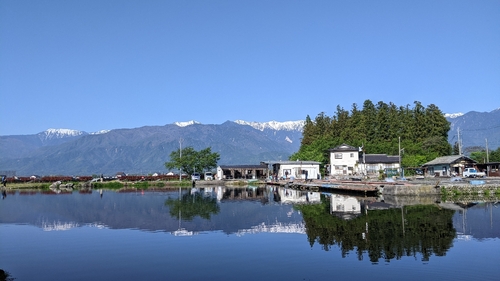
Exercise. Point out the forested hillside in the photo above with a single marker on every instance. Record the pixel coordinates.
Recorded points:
(377, 128)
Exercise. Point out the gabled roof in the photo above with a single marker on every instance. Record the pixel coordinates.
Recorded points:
(344, 147)
(449, 160)
(379, 158)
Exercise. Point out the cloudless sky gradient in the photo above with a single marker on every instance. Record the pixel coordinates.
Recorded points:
(93, 65)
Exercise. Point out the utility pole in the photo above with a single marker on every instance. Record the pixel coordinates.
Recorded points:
(401, 167)
(180, 156)
(459, 142)
(487, 156)
(399, 151)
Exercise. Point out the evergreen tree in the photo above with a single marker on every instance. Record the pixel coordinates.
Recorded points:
(379, 128)
(308, 132)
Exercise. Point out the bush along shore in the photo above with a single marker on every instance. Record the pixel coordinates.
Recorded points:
(67, 186)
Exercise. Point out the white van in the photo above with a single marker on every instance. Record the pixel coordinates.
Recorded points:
(209, 176)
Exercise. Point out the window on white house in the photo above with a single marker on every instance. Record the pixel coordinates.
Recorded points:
(338, 155)
(352, 155)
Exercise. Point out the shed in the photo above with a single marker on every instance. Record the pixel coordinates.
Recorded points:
(295, 169)
(491, 169)
(241, 171)
(448, 165)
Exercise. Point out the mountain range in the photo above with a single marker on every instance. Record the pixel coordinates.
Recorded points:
(475, 130)
(144, 150)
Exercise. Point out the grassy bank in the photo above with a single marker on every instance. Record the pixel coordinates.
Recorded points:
(101, 185)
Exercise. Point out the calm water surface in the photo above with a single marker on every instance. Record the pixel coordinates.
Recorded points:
(244, 234)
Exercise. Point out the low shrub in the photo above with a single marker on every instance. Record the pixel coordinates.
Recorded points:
(108, 185)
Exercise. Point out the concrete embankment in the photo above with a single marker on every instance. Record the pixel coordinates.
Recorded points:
(412, 187)
(410, 190)
(434, 186)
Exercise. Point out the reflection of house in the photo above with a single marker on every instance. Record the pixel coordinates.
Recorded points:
(448, 165)
(345, 207)
(347, 160)
(242, 194)
(241, 171)
(295, 169)
(288, 195)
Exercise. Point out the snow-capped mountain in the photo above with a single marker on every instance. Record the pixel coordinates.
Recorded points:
(51, 134)
(453, 115)
(274, 125)
(60, 133)
(100, 132)
(187, 123)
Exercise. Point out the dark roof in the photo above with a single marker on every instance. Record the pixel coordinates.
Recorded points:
(449, 160)
(379, 158)
(243, 166)
(297, 162)
(344, 147)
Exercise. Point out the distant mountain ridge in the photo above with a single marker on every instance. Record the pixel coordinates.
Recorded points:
(145, 149)
(274, 125)
(474, 128)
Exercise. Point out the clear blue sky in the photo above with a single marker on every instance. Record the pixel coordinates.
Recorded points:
(93, 65)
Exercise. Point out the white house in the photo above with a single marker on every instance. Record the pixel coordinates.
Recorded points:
(295, 169)
(347, 160)
(344, 160)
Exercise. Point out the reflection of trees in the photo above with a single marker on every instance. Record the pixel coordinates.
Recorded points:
(5, 276)
(192, 205)
(381, 233)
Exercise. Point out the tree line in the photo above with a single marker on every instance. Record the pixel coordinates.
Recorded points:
(379, 128)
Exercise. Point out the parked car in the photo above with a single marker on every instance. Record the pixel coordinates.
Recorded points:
(209, 176)
(473, 173)
(195, 176)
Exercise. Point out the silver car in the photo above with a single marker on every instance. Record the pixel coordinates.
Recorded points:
(195, 177)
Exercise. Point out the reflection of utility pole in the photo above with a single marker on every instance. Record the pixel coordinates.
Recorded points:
(403, 219)
(180, 156)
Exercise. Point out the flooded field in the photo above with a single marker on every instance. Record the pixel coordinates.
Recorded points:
(221, 233)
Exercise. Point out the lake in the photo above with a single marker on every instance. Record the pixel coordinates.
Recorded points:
(222, 233)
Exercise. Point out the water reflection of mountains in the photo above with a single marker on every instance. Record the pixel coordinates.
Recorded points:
(330, 219)
(239, 209)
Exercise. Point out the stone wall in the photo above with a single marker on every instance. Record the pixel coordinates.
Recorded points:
(410, 190)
